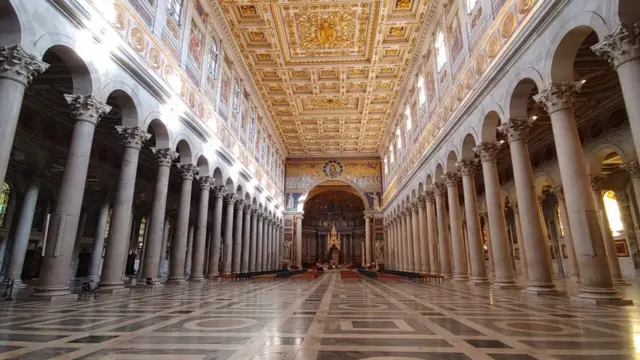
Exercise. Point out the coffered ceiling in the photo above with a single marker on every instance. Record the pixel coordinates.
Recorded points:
(329, 71)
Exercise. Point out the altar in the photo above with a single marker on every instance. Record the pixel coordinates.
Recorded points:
(333, 244)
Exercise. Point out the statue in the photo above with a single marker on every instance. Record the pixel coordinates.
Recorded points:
(379, 251)
(286, 253)
(289, 201)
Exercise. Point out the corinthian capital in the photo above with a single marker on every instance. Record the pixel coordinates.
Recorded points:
(239, 204)
(187, 171)
(621, 46)
(204, 182)
(488, 151)
(16, 64)
(87, 107)
(440, 189)
(229, 198)
(451, 179)
(164, 157)
(633, 168)
(467, 167)
(596, 182)
(132, 137)
(429, 196)
(218, 191)
(558, 192)
(559, 96)
(516, 128)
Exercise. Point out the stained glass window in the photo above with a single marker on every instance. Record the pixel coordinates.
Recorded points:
(4, 202)
(441, 50)
(613, 212)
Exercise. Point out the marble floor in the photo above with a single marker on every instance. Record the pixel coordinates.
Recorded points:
(326, 319)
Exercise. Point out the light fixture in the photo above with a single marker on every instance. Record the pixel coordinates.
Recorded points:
(534, 118)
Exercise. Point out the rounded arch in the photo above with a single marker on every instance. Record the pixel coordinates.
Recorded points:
(490, 126)
(468, 147)
(414, 195)
(598, 155)
(81, 71)
(217, 176)
(303, 197)
(12, 24)
(247, 198)
(624, 11)
(184, 149)
(229, 185)
(542, 181)
(420, 188)
(452, 159)
(127, 106)
(429, 180)
(520, 95)
(517, 90)
(155, 126)
(239, 191)
(564, 47)
(203, 165)
(439, 172)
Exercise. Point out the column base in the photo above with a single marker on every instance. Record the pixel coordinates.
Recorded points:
(461, 278)
(479, 281)
(620, 282)
(601, 296)
(448, 276)
(176, 281)
(505, 285)
(197, 279)
(537, 291)
(212, 276)
(53, 294)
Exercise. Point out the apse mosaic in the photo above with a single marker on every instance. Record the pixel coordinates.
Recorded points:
(364, 174)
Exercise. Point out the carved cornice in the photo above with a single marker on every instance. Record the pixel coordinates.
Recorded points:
(133, 137)
(620, 47)
(16, 64)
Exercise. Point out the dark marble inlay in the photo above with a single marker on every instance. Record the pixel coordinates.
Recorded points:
(512, 357)
(206, 354)
(488, 344)
(357, 355)
(142, 324)
(296, 324)
(384, 342)
(374, 324)
(93, 339)
(43, 354)
(455, 327)
(579, 345)
(227, 340)
(30, 337)
(7, 348)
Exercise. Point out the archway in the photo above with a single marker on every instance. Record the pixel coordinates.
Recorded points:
(333, 224)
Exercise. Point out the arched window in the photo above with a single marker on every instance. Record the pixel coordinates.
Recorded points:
(422, 92)
(471, 4)
(212, 66)
(391, 153)
(441, 50)
(386, 166)
(174, 9)
(613, 212)
(4, 202)
(407, 117)
(559, 216)
(398, 140)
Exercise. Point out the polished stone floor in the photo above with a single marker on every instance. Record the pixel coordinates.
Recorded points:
(325, 319)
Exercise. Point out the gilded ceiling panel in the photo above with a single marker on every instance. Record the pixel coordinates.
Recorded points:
(329, 70)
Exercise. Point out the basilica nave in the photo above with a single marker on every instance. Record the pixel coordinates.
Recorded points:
(402, 179)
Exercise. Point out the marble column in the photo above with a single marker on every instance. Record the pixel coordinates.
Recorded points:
(246, 241)
(273, 245)
(452, 180)
(485, 216)
(214, 251)
(394, 243)
(633, 168)
(278, 246)
(627, 222)
(367, 239)
(496, 224)
(227, 258)
(415, 240)
(521, 249)
(95, 265)
(622, 49)
(407, 259)
(253, 246)
(189, 251)
(432, 232)
(17, 69)
(198, 252)
(299, 241)
(425, 267)
(179, 240)
(595, 276)
(533, 233)
(63, 224)
(607, 236)
(162, 264)
(440, 190)
(467, 169)
(23, 231)
(268, 243)
(574, 272)
(401, 239)
(158, 224)
(265, 243)
(259, 248)
(237, 237)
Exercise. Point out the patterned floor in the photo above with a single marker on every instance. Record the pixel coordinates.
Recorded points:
(326, 319)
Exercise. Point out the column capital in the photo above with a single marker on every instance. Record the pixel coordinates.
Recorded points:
(633, 168)
(229, 198)
(247, 209)
(218, 191)
(187, 171)
(540, 199)
(621, 197)
(17, 65)
(414, 206)
(483, 215)
(516, 128)
(488, 151)
(254, 211)
(596, 182)
(440, 188)
(133, 137)
(558, 192)
(514, 207)
(467, 167)
(164, 157)
(559, 96)
(87, 107)
(422, 200)
(239, 204)
(621, 46)
(451, 179)
(429, 196)
(204, 182)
